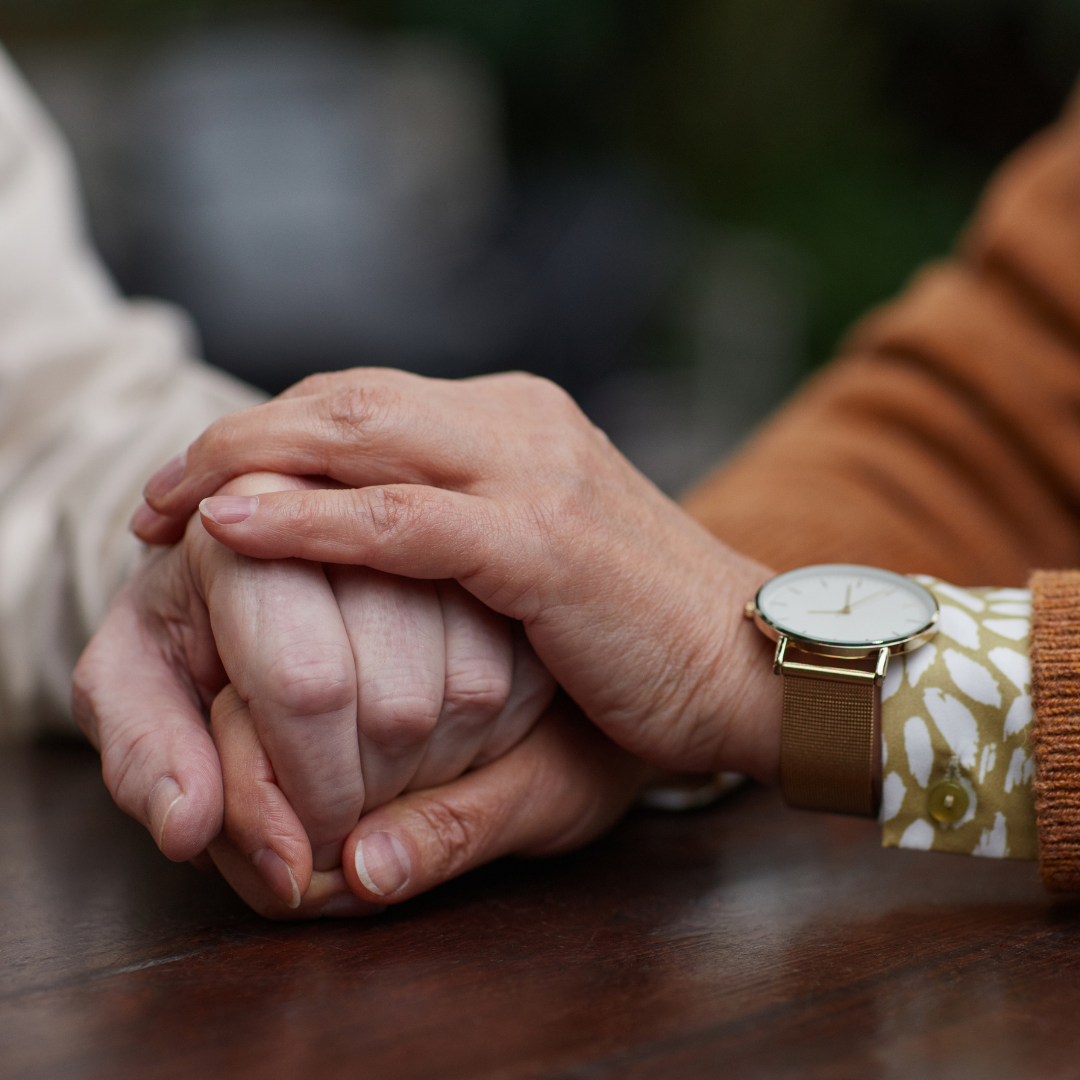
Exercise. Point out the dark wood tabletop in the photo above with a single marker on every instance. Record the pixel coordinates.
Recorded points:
(745, 940)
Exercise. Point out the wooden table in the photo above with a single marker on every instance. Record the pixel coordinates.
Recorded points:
(741, 941)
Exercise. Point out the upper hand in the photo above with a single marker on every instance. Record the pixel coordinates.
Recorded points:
(504, 485)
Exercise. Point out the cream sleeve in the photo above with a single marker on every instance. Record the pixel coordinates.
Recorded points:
(96, 392)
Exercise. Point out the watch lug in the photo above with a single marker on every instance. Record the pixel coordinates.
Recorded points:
(778, 656)
(882, 665)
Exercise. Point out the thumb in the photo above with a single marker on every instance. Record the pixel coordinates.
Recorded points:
(563, 785)
(157, 757)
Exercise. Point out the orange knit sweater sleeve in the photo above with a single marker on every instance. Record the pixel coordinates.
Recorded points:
(945, 440)
(946, 436)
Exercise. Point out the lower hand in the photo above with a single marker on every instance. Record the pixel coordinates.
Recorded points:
(350, 687)
(563, 785)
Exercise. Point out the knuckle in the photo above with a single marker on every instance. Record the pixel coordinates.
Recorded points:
(400, 720)
(479, 691)
(299, 516)
(527, 383)
(309, 682)
(390, 511)
(356, 410)
(549, 398)
(216, 442)
(254, 819)
(123, 761)
(458, 832)
(310, 385)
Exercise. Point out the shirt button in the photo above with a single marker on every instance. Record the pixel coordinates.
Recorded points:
(947, 801)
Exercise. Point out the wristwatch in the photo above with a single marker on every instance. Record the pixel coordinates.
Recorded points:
(835, 628)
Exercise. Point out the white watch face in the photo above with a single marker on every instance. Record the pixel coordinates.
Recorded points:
(846, 605)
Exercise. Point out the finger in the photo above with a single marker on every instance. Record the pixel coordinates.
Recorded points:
(154, 528)
(562, 786)
(157, 757)
(290, 659)
(159, 529)
(414, 531)
(328, 895)
(284, 646)
(378, 426)
(372, 426)
(479, 674)
(531, 692)
(258, 818)
(395, 628)
(288, 655)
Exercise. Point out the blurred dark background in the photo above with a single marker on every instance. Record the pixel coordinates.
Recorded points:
(673, 207)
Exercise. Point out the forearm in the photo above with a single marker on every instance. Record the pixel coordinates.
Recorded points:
(96, 393)
(944, 441)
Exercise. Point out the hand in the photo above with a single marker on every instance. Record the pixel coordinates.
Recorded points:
(560, 787)
(503, 484)
(355, 686)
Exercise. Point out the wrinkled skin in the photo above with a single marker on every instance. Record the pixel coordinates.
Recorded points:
(330, 691)
(501, 484)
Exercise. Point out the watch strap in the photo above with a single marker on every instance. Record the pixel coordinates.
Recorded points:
(830, 745)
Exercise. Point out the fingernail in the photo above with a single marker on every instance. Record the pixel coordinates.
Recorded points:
(164, 795)
(144, 518)
(167, 477)
(229, 509)
(382, 863)
(276, 873)
(348, 907)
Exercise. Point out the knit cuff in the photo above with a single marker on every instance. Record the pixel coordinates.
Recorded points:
(1055, 687)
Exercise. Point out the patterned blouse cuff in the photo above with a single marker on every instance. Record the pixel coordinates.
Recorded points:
(955, 717)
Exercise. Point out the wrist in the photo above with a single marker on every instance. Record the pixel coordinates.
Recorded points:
(741, 704)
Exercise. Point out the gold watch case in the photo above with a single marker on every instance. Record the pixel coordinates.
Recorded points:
(882, 648)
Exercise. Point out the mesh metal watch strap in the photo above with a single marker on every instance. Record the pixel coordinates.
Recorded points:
(830, 745)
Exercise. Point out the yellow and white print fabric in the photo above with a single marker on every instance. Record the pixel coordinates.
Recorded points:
(966, 694)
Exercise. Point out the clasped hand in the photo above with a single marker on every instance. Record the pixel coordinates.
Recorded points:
(501, 485)
(498, 484)
(330, 691)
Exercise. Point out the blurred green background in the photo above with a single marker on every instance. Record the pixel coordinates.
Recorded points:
(677, 207)
(859, 132)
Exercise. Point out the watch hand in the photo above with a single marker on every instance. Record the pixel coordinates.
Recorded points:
(845, 610)
(872, 596)
(848, 605)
